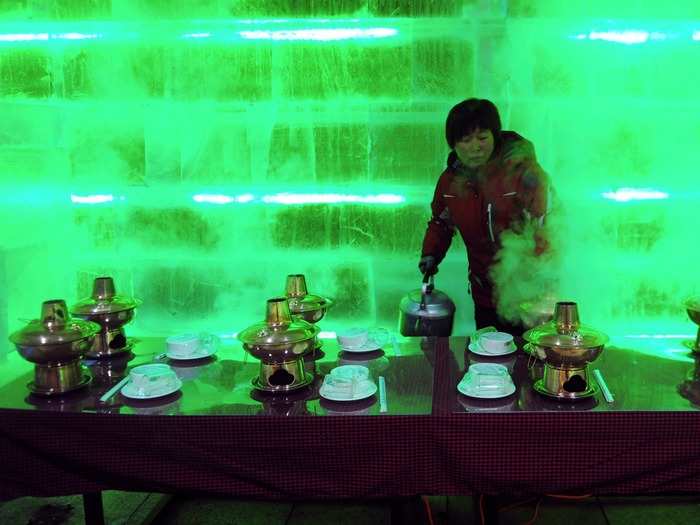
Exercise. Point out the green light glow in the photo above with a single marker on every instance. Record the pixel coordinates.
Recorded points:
(635, 36)
(233, 31)
(682, 337)
(621, 37)
(299, 198)
(330, 198)
(324, 35)
(673, 351)
(91, 199)
(292, 30)
(635, 194)
(223, 199)
(23, 37)
(180, 198)
(76, 36)
(196, 35)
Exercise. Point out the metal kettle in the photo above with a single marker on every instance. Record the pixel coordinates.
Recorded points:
(426, 311)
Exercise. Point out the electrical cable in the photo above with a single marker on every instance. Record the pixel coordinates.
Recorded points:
(602, 510)
(569, 496)
(517, 504)
(532, 520)
(128, 520)
(289, 516)
(539, 502)
(427, 509)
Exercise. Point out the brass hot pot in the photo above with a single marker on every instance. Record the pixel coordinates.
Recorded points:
(280, 342)
(111, 312)
(568, 347)
(55, 343)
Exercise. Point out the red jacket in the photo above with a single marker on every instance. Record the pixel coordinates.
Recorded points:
(508, 190)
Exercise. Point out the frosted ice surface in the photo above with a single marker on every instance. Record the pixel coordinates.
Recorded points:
(150, 123)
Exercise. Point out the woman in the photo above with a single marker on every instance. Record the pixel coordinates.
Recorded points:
(492, 183)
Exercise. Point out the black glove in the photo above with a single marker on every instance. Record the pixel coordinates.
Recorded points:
(428, 265)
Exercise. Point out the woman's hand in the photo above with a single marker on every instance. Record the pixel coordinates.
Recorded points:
(428, 265)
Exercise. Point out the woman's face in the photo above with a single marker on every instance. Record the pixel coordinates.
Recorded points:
(475, 149)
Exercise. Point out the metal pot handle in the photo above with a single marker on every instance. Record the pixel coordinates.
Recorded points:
(427, 287)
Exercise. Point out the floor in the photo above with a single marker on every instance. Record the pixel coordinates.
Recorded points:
(132, 508)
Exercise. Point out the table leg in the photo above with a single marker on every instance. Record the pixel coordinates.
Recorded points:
(92, 505)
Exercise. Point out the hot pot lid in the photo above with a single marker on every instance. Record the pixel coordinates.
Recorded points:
(279, 328)
(308, 303)
(56, 327)
(548, 336)
(104, 300)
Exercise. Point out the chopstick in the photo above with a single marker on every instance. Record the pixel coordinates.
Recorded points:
(382, 395)
(603, 386)
(114, 389)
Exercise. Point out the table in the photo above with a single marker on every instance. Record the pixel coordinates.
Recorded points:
(217, 437)
(643, 442)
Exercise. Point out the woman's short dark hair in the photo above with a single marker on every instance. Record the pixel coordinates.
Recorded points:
(470, 114)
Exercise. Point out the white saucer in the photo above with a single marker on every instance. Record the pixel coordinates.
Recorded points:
(475, 348)
(132, 393)
(200, 353)
(368, 346)
(462, 387)
(364, 395)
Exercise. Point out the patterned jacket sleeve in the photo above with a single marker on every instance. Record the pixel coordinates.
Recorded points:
(438, 235)
(520, 154)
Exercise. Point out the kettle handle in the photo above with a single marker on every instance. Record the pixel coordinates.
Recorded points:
(427, 287)
(428, 284)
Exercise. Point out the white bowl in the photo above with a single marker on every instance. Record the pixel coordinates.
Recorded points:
(154, 377)
(183, 344)
(495, 342)
(353, 337)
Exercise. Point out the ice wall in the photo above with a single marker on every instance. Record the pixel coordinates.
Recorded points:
(199, 152)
